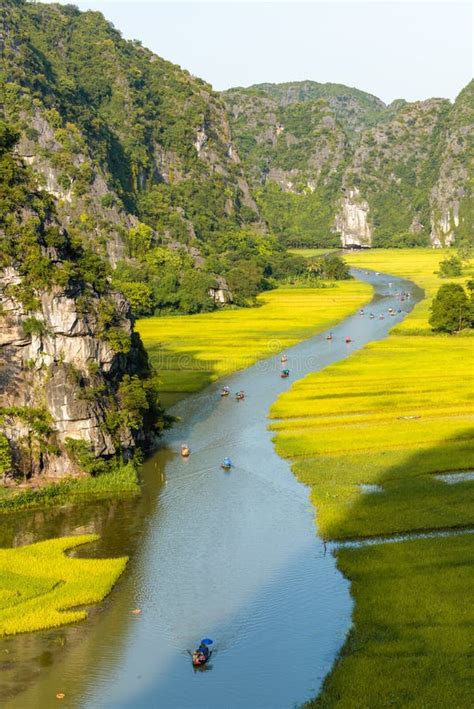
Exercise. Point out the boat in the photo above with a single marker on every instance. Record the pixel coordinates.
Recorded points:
(226, 463)
(202, 654)
(348, 339)
(185, 450)
(285, 373)
(284, 358)
(240, 395)
(329, 337)
(225, 391)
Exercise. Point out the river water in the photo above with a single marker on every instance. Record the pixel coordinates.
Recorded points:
(231, 556)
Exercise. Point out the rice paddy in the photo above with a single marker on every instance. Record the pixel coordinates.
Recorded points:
(412, 637)
(393, 416)
(191, 351)
(41, 587)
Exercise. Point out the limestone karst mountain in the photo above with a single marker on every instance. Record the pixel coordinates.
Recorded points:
(330, 164)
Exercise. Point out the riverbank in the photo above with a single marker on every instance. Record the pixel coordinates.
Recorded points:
(368, 434)
(123, 480)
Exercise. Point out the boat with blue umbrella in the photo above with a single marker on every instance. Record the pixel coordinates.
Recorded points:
(203, 653)
(226, 463)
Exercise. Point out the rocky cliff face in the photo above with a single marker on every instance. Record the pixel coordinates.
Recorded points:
(451, 198)
(354, 170)
(352, 220)
(75, 384)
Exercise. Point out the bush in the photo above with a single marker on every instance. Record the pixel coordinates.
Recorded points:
(33, 326)
(450, 267)
(451, 309)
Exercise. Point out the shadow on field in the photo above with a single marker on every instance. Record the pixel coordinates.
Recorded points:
(391, 492)
(410, 642)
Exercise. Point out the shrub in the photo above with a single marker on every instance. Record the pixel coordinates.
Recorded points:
(450, 267)
(33, 326)
(451, 309)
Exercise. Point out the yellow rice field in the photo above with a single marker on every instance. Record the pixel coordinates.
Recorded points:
(41, 587)
(378, 416)
(391, 417)
(191, 351)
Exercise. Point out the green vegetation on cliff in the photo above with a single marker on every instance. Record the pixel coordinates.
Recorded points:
(126, 142)
(304, 145)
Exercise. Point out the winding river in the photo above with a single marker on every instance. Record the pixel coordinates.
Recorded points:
(232, 556)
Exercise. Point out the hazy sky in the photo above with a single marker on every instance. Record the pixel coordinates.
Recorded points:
(412, 50)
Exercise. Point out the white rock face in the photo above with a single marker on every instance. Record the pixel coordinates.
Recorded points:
(201, 139)
(442, 229)
(352, 221)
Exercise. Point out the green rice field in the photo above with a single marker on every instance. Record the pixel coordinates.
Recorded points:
(41, 587)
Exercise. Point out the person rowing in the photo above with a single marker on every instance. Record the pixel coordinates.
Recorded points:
(240, 395)
(226, 463)
(284, 358)
(225, 391)
(329, 337)
(203, 653)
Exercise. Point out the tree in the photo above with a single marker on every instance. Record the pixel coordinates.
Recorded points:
(450, 267)
(451, 309)
(140, 238)
(6, 462)
(139, 295)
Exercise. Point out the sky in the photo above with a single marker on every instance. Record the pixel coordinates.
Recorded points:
(411, 50)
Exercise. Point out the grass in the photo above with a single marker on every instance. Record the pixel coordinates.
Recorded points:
(412, 637)
(41, 587)
(120, 481)
(392, 415)
(191, 351)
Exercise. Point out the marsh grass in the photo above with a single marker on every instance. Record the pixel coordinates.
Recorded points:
(41, 587)
(120, 481)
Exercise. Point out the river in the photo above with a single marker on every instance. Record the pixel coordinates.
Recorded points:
(231, 556)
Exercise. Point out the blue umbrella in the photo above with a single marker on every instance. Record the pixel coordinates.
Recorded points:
(206, 641)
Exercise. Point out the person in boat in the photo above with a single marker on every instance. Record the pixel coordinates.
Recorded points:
(225, 391)
(240, 395)
(227, 463)
(185, 450)
(285, 373)
(284, 358)
(329, 337)
(204, 651)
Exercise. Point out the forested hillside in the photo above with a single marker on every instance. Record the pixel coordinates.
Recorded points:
(329, 163)
(138, 155)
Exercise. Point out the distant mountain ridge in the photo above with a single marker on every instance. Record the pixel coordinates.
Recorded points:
(331, 164)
